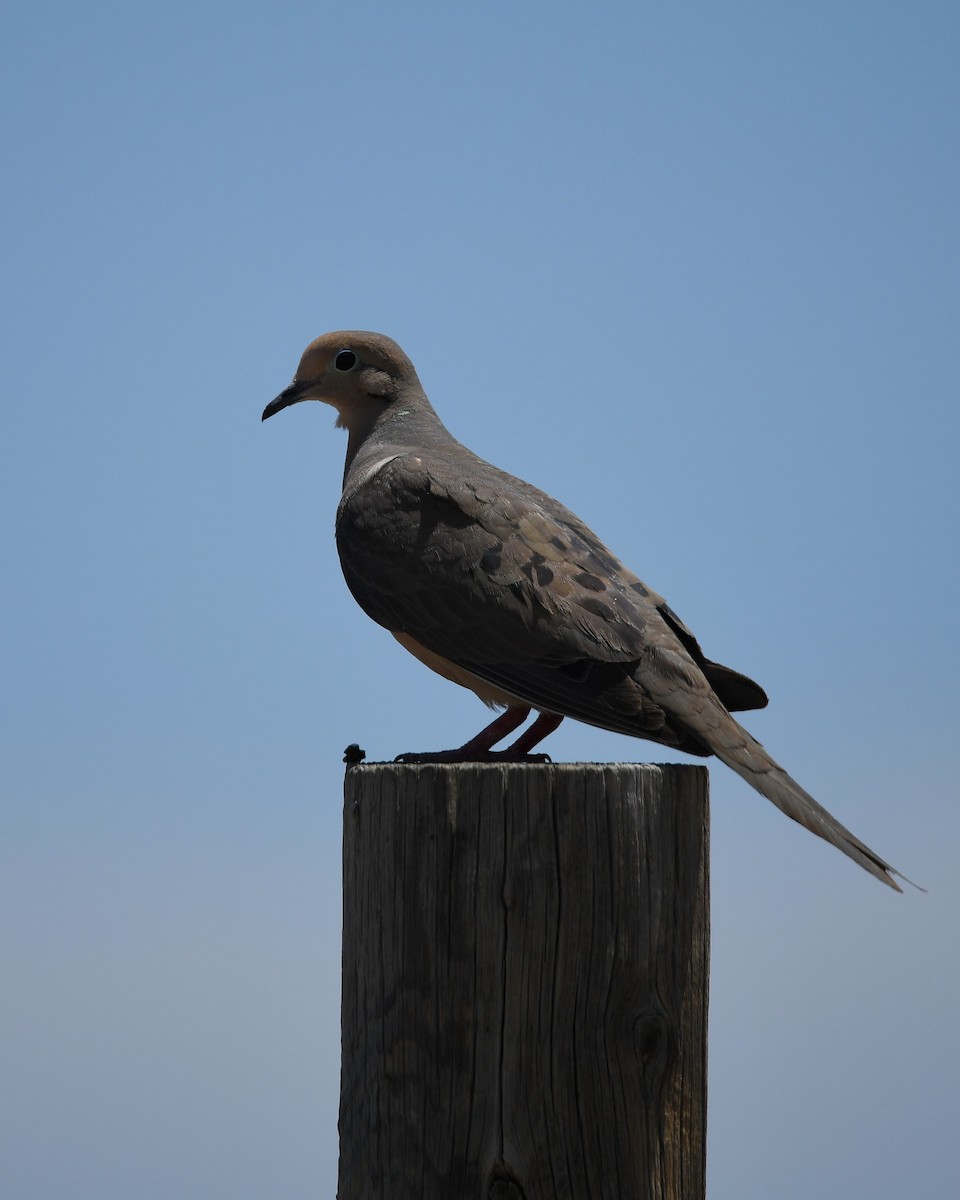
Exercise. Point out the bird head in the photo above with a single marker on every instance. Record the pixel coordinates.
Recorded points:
(360, 374)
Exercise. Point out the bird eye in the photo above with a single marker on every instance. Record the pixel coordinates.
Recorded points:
(346, 360)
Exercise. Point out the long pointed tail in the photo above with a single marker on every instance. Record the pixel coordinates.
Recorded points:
(747, 757)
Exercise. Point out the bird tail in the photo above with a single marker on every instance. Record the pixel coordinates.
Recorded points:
(747, 757)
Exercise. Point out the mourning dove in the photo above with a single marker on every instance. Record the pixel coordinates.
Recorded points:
(497, 587)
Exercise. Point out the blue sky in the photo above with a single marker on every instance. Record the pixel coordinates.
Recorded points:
(693, 268)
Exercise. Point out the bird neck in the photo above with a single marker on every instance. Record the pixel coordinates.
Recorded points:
(401, 428)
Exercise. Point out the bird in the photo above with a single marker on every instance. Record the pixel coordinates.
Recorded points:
(498, 587)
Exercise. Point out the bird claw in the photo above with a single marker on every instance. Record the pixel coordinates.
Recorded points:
(477, 756)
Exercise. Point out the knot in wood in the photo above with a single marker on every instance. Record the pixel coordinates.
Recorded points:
(652, 1046)
(505, 1189)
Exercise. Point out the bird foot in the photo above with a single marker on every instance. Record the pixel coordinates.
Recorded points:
(465, 755)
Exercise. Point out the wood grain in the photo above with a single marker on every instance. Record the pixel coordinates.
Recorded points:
(525, 960)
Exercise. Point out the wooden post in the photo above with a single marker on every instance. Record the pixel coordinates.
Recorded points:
(525, 953)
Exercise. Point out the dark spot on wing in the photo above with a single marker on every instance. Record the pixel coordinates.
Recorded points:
(558, 542)
(490, 561)
(639, 588)
(536, 565)
(597, 607)
(601, 561)
(585, 579)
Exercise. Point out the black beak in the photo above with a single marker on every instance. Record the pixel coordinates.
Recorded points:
(289, 395)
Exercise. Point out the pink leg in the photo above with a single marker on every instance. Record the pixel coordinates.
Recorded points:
(545, 724)
(478, 749)
(495, 732)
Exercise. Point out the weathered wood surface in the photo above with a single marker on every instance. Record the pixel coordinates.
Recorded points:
(525, 958)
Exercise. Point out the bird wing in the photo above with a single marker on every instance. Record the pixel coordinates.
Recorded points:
(499, 578)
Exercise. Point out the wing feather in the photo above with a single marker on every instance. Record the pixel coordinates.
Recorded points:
(504, 581)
